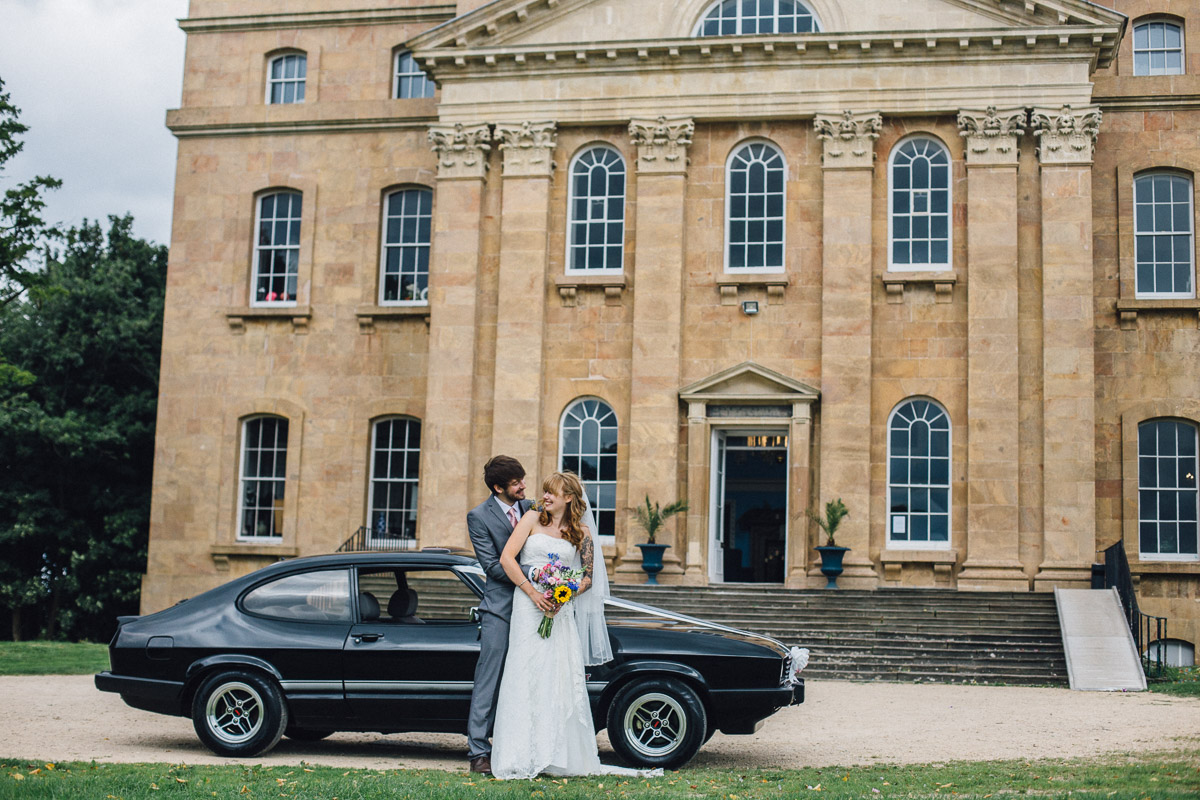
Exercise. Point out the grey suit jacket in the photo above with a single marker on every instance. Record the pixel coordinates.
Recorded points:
(489, 530)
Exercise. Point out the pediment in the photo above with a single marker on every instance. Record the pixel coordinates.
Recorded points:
(749, 383)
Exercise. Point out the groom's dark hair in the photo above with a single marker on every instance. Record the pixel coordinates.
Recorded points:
(501, 471)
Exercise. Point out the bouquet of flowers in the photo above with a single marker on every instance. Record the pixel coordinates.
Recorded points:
(559, 583)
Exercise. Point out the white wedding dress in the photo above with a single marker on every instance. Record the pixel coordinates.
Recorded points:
(543, 718)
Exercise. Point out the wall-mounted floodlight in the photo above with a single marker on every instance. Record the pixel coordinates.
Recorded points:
(749, 307)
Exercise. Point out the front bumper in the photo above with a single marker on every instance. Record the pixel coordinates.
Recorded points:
(742, 711)
(147, 694)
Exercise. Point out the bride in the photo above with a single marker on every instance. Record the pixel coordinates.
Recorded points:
(543, 717)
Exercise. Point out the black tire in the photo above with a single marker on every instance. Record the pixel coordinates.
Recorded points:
(239, 714)
(305, 734)
(657, 722)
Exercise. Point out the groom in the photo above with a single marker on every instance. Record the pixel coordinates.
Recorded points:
(490, 524)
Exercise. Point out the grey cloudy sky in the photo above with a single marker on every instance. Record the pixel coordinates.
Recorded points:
(93, 80)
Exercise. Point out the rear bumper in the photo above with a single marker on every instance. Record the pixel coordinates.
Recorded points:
(147, 694)
(741, 711)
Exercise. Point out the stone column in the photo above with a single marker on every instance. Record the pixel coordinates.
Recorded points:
(848, 167)
(1066, 138)
(528, 151)
(799, 555)
(657, 329)
(453, 288)
(993, 561)
(699, 470)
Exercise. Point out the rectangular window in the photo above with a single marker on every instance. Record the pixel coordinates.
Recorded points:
(407, 224)
(1157, 48)
(277, 249)
(1163, 243)
(1167, 491)
(263, 478)
(411, 81)
(395, 469)
(286, 79)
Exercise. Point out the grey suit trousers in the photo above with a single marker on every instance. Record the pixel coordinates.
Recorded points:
(493, 649)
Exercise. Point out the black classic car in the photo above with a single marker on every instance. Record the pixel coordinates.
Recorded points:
(388, 642)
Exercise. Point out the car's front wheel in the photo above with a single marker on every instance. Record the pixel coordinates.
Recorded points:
(239, 714)
(657, 722)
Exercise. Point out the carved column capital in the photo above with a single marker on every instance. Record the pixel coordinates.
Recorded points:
(662, 143)
(1066, 135)
(849, 138)
(528, 148)
(462, 150)
(992, 135)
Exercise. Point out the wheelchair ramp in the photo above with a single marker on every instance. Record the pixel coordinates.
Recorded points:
(1101, 656)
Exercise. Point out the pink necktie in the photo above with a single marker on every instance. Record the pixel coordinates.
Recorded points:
(512, 516)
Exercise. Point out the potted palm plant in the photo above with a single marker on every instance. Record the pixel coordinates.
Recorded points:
(831, 553)
(651, 517)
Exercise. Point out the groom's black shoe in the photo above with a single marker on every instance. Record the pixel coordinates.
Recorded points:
(482, 765)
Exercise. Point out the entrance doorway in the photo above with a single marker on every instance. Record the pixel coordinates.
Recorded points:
(749, 491)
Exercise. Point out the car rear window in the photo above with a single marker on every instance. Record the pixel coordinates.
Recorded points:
(321, 596)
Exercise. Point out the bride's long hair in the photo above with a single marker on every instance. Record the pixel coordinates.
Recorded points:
(566, 484)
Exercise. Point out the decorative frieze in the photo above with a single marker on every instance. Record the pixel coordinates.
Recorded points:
(992, 135)
(461, 150)
(662, 143)
(849, 139)
(528, 148)
(1066, 135)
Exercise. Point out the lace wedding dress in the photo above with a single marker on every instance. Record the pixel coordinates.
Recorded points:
(543, 719)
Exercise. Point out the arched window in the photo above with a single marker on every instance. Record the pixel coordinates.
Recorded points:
(411, 81)
(754, 203)
(407, 223)
(919, 475)
(597, 209)
(395, 478)
(1162, 221)
(1157, 48)
(587, 446)
(285, 78)
(263, 477)
(748, 17)
(1167, 490)
(277, 249)
(919, 205)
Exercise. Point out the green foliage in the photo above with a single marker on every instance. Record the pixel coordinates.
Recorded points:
(52, 658)
(835, 512)
(1171, 774)
(1178, 681)
(651, 517)
(23, 232)
(78, 390)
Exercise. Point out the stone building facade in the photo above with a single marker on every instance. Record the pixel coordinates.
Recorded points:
(934, 258)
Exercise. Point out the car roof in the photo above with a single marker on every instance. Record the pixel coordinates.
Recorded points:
(438, 557)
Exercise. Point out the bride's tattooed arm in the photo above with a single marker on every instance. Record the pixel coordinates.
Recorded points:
(586, 554)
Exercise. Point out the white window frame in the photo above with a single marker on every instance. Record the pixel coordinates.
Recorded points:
(301, 83)
(1149, 175)
(386, 245)
(782, 218)
(609, 539)
(698, 31)
(417, 72)
(932, 266)
(1147, 24)
(292, 249)
(373, 479)
(243, 478)
(908, 543)
(571, 220)
(1141, 519)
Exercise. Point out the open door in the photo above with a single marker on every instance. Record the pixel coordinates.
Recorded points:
(716, 511)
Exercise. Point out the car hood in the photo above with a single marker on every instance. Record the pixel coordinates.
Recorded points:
(653, 618)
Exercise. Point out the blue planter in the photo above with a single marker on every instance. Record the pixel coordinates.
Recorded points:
(652, 561)
(831, 563)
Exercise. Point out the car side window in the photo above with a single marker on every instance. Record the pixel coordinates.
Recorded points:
(320, 596)
(414, 596)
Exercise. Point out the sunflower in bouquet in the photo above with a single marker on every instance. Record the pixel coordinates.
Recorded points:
(559, 584)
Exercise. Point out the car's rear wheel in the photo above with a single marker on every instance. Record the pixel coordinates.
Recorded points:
(239, 714)
(305, 734)
(657, 722)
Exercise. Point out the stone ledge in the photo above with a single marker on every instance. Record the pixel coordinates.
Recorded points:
(942, 561)
(221, 553)
(1128, 309)
(943, 282)
(729, 284)
(1146, 568)
(369, 315)
(569, 286)
(299, 316)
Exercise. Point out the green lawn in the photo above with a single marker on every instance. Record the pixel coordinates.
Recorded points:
(1172, 775)
(52, 658)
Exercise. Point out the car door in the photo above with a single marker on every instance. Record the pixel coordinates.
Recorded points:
(410, 665)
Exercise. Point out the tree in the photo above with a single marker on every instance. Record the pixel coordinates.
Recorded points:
(78, 389)
(23, 232)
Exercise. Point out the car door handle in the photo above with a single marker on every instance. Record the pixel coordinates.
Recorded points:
(367, 637)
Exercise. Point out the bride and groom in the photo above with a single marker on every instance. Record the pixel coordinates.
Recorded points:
(530, 692)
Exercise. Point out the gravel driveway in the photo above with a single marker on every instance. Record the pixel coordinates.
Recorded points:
(64, 718)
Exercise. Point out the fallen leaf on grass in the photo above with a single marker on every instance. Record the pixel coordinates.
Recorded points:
(181, 780)
(16, 776)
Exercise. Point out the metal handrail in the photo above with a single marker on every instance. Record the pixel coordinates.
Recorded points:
(1117, 574)
(365, 539)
